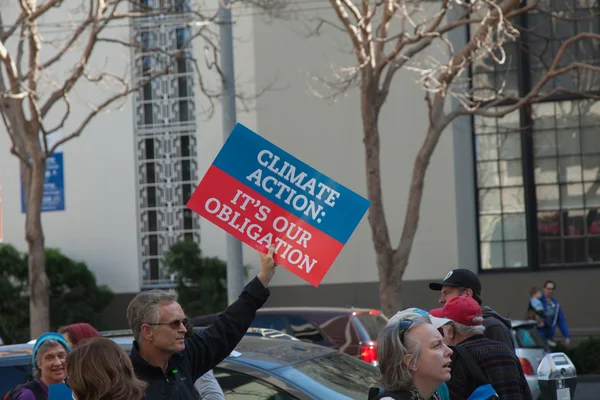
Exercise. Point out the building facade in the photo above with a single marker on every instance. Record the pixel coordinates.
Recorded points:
(512, 198)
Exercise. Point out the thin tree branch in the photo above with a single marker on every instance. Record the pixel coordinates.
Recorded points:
(20, 52)
(389, 9)
(359, 48)
(64, 49)
(553, 72)
(128, 90)
(80, 66)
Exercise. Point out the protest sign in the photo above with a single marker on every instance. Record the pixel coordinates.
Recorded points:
(263, 195)
(59, 391)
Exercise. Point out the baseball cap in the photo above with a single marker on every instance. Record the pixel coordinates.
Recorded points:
(459, 278)
(411, 313)
(462, 310)
(48, 336)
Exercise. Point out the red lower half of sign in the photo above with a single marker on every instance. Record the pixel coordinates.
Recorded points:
(300, 247)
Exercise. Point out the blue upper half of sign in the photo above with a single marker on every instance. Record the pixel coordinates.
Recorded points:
(291, 184)
(59, 391)
(54, 185)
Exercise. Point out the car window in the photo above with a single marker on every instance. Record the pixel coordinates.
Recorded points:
(369, 325)
(335, 376)
(240, 386)
(305, 330)
(269, 321)
(11, 377)
(528, 337)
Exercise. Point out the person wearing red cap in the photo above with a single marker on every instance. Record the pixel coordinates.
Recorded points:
(464, 282)
(75, 333)
(498, 363)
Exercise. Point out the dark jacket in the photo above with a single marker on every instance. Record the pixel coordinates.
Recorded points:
(499, 365)
(203, 350)
(498, 328)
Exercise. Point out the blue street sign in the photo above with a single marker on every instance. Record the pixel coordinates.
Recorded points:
(54, 185)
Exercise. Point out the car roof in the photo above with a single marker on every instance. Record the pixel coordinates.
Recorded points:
(340, 310)
(209, 318)
(264, 351)
(268, 354)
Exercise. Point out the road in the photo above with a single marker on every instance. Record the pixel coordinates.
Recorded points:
(587, 391)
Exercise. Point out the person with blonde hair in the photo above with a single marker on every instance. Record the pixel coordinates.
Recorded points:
(414, 362)
(98, 369)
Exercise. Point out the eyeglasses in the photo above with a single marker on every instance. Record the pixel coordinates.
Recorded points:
(175, 324)
(404, 325)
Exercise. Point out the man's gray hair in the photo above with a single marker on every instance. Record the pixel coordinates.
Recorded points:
(143, 309)
(44, 347)
(468, 331)
(395, 373)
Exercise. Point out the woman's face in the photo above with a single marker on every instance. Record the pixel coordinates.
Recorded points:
(53, 365)
(434, 360)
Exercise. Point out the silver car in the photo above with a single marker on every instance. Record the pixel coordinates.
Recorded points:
(530, 349)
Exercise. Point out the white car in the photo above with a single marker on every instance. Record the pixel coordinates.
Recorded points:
(530, 349)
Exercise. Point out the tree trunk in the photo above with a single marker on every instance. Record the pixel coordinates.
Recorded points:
(390, 281)
(39, 301)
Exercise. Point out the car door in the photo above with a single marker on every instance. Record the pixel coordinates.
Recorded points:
(242, 383)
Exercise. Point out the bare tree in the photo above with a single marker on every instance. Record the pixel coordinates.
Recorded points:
(31, 96)
(392, 35)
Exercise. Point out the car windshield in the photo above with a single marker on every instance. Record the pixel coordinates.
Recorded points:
(336, 376)
(370, 325)
(528, 337)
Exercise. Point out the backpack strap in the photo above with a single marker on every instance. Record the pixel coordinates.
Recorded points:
(472, 366)
(32, 385)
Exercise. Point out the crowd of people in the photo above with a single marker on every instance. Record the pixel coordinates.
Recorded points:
(460, 351)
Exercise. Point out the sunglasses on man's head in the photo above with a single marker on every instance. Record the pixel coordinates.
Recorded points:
(403, 327)
(175, 324)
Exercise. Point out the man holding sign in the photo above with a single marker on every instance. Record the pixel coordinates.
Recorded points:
(264, 196)
(170, 363)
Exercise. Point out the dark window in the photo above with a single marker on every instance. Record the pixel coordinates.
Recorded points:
(182, 86)
(341, 373)
(188, 219)
(305, 330)
(150, 174)
(154, 270)
(240, 386)
(149, 144)
(184, 114)
(371, 324)
(185, 146)
(152, 223)
(153, 239)
(271, 322)
(186, 173)
(151, 196)
(186, 192)
(12, 376)
(528, 337)
(538, 168)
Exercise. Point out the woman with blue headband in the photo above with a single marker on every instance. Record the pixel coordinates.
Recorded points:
(49, 360)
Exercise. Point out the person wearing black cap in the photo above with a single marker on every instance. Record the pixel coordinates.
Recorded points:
(464, 282)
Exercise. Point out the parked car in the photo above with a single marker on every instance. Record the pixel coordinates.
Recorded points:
(353, 331)
(259, 368)
(530, 349)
